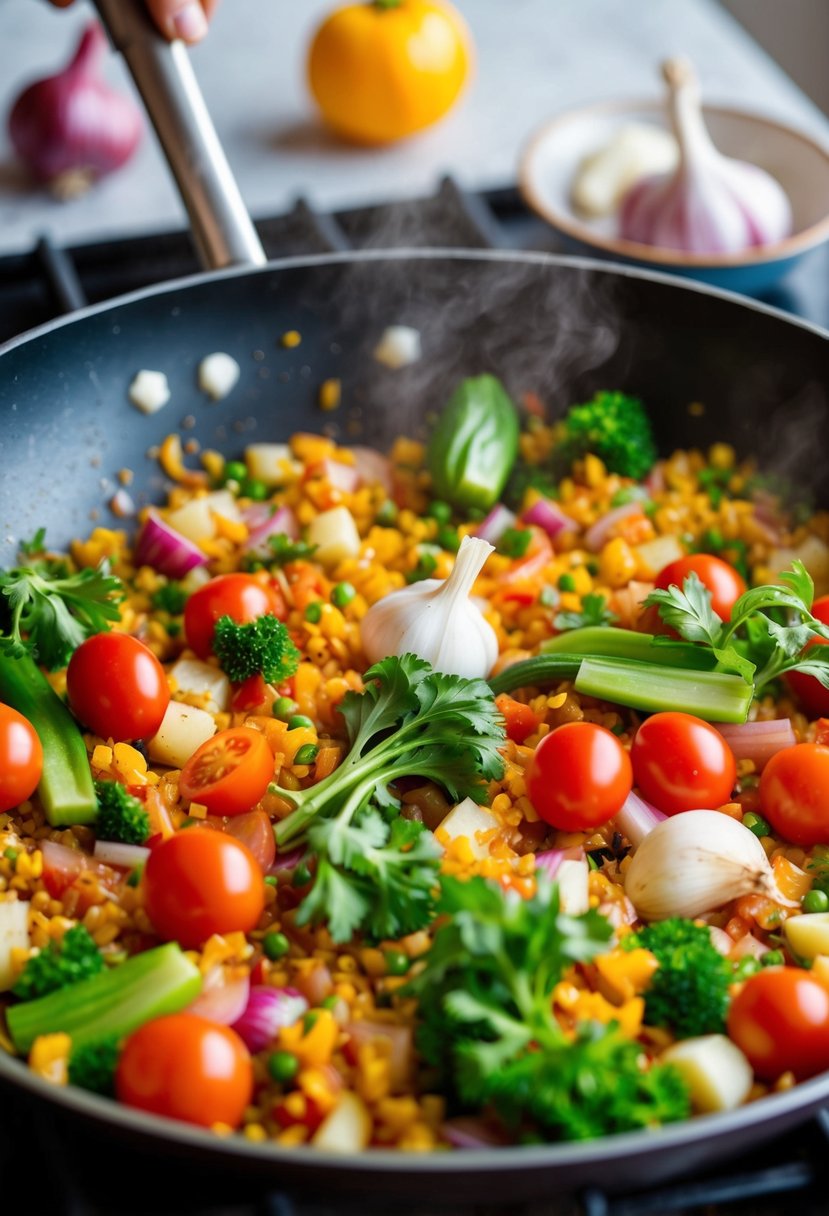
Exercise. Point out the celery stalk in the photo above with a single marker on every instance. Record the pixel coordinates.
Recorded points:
(712, 695)
(113, 1003)
(530, 673)
(607, 641)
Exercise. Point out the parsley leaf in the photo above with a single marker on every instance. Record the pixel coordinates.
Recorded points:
(594, 611)
(285, 550)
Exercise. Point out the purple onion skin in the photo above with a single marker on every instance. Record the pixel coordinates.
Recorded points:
(268, 1011)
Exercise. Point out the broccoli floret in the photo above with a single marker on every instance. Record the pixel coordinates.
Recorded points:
(120, 816)
(613, 427)
(92, 1066)
(689, 991)
(262, 647)
(171, 597)
(58, 966)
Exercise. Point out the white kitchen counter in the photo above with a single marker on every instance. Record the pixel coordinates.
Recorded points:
(535, 58)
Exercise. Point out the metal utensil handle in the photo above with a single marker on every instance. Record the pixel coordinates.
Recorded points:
(222, 228)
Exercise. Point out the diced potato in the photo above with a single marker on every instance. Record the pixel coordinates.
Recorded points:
(194, 520)
(182, 730)
(347, 1129)
(335, 534)
(222, 502)
(572, 882)
(470, 820)
(195, 578)
(194, 676)
(218, 374)
(398, 346)
(655, 555)
(808, 934)
(149, 391)
(271, 463)
(716, 1072)
(14, 935)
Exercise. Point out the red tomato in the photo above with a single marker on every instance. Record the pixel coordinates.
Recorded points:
(240, 596)
(780, 1020)
(21, 758)
(681, 763)
(185, 1067)
(578, 777)
(229, 773)
(117, 687)
(256, 831)
(810, 692)
(250, 694)
(723, 581)
(519, 719)
(199, 882)
(794, 793)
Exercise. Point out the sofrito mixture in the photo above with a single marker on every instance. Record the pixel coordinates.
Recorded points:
(473, 794)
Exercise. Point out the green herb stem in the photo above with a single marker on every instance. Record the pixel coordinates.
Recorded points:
(713, 696)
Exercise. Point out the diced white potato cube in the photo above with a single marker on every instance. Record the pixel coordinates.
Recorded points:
(14, 935)
(335, 534)
(194, 520)
(222, 502)
(716, 1072)
(572, 879)
(808, 934)
(272, 463)
(149, 391)
(182, 730)
(347, 1129)
(472, 821)
(194, 676)
(655, 555)
(398, 346)
(195, 578)
(218, 374)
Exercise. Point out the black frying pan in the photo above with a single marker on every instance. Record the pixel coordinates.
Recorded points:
(557, 326)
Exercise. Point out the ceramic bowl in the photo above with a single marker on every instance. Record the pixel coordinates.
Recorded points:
(799, 163)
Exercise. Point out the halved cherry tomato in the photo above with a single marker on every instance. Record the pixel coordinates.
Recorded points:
(255, 830)
(723, 581)
(200, 882)
(810, 692)
(117, 687)
(250, 694)
(188, 1068)
(780, 1020)
(21, 758)
(519, 719)
(229, 773)
(794, 793)
(681, 763)
(240, 596)
(578, 777)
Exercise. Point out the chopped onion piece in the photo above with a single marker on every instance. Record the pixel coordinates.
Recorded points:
(597, 535)
(549, 516)
(637, 818)
(196, 676)
(373, 467)
(222, 1001)
(398, 347)
(758, 741)
(265, 1012)
(496, 523)
(218, 374)
(166, 550)
(14, 935)
(341, 476)
(122, 504)
(124, 856)
(281, 523)
(149, 391)
(550, 861)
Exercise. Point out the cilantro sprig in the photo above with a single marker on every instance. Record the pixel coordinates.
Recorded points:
(594, 611)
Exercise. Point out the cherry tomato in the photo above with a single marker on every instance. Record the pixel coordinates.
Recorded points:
(723, 581)
(256, 831)
(780, 1020)
(681, 763)
(240, 596)
(229, 773)
(199, 882)
(794, 793)
(578, 777)
(117, 687)
(519, 719)
(185, 1067)
(810, 692)
(21, 758)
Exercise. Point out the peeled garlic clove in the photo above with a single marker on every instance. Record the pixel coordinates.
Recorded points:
(697, 861)
(710, 203)
(635, 151)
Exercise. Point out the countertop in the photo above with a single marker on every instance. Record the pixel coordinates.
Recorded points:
(534, 58)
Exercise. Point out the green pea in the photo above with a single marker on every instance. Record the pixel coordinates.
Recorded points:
(342, 594)
(774, 958)
(386, 514)
(10, 854)
(313, 612)
(299, 720)
(441, 511)
(306, 754)
(397, 962)
(756, 824)
(275, 945)
(448, 538)
(282, 1066)
(235, 470)
(251, 487)
(566, 583)
(815, 901)
(284, 707)
(270, 880)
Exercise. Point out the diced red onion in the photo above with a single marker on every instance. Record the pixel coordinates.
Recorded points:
(166, 550)
(373, 467)
(551, 859)
(596, 536)
(283, 863)
(720, 940)
(468, 1132)
(282, 522)
(257, 514)
(637, 818)
(758, 741)
(266, 1012)
(341, 476)
(496, 523)
(549, 516)
(655, 481)
(222, 1002)
(748, 946)
(124, 856)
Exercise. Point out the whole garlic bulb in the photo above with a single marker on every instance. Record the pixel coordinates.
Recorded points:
(436, 620)
(710, 203)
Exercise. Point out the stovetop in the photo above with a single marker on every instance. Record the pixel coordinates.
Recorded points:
(74, 1174)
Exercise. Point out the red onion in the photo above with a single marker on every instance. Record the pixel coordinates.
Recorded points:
(748, 945)
(655, 481)
(468, 1132)
(549, 516)
(283, 863)
(257, 514)
(222, 1002)
(551, 859)
(73, 126)
(373, 467)
(758, 741)
(266, 1012)
(495, 525)
(637, 818)
(165, 550)
(341, 476)
(124, 856)
(596, 536)
(282, 522)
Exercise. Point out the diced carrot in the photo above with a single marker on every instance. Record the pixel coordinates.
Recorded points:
(519, 719)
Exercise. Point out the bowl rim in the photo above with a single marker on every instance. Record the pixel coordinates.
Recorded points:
(790, 246)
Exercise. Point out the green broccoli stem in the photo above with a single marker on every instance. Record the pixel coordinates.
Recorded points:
(607, 641)
(66, 790)
(116, 1002)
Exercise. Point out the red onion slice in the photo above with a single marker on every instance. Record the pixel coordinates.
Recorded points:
(550, 860)
(596, 536)
(166, 550)
(373, 467)
(124, 856)
(341, 476)
(222, 1002)
(637, 818)
(493, 527)
(758, 741)
(265, 1013)
(549, 516)
(282, 523)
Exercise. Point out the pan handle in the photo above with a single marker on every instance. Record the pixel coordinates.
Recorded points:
(222, 229)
